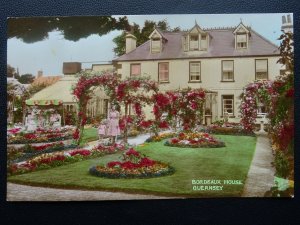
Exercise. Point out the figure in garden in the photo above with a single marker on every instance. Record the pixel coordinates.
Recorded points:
(113, 124)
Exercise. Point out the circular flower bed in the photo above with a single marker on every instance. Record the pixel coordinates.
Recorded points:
(133, 165)
(195, 140)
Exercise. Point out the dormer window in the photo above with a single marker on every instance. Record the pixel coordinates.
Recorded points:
(157, 39)
(155, 45)
(241, 40)
(194, 42)
(241, 35)
(203, 42)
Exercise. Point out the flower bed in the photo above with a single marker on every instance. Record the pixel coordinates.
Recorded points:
(194, 140)
(49, 160)
(160, 137)
(133, 165)
(28, 151)
(229, 129)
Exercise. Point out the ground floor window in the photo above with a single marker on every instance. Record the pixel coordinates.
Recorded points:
(228, 105)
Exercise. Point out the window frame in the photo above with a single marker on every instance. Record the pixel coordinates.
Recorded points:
(194, 81)
(190, 41)
(222, 71)
(267, 78)
(226, 95)
(158, 74)
(160, 44)
(135, 64)
(237, 43)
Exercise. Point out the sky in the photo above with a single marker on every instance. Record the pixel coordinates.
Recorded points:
(48, 55)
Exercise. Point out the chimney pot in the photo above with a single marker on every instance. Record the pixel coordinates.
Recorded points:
(130, 42)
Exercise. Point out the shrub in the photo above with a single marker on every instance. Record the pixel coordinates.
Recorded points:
(281, 164)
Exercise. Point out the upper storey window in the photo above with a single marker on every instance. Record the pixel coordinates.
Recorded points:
(241, 40)
(157, 40)
(155, 45)
(241, 35)
(194, 42)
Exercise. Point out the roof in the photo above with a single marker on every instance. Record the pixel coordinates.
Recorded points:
(46, 80)
(61, 90)
(221, 44)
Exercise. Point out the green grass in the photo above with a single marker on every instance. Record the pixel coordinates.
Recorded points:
(231, 162)
(90, 134)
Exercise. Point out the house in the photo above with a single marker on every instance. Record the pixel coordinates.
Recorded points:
(220, 60)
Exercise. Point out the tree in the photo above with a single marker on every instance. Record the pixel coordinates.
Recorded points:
(32, 29)
(142, 35)
(26, 78)
(11, 72)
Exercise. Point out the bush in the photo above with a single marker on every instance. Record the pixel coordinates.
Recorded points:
(281, 164)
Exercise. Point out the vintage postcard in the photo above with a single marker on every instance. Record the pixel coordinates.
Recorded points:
(127, 107)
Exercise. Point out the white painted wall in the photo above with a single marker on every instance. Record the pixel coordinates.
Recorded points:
(211, 71)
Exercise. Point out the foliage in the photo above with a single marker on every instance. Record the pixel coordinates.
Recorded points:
(281, 165)
(26, 78)
(32, 29)
(184, 106)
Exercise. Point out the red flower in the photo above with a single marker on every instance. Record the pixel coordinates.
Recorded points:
(290, 93)
(174, 141)
(146, 162)
(76, 134)
(146, 124)
(163, 125)
(131, 151)
(30, 136)
(113, 164)
(82, 152)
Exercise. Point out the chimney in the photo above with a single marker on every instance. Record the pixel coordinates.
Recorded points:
(130, 43)
(287, 24)
(39, 73)
(71, 68)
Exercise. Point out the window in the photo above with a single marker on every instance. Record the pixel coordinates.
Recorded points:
(227, 70)
(241, 40)
(155, 45)
(185, 44)
(135, 69)
(227, 104)
(194, 42)
(203, 42)
(195, 71)
(261, 69)
(163, 72)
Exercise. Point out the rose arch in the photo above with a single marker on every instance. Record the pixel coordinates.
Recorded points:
(134, 91)
(254, 93)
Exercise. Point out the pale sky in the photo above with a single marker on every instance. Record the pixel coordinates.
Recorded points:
(49, 55)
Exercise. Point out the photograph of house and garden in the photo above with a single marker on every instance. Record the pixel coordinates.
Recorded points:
(150, 107)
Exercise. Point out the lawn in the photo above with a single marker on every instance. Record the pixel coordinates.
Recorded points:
(228, 163)
(90, 134)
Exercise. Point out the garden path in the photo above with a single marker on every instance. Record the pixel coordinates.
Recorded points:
(261, 173)
(17, 192)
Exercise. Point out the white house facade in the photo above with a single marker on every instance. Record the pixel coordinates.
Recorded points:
(222, 61)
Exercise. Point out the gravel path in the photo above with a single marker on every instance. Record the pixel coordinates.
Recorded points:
(261, 173)
(16, 192)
